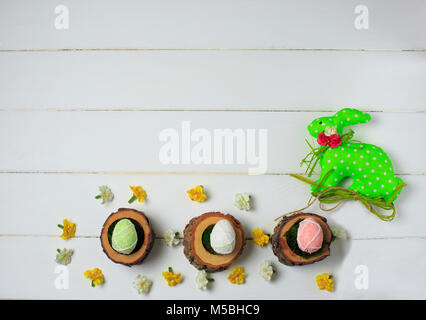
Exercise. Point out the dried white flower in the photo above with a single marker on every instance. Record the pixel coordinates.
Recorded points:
(172, 238)
(105, 194)
(64, 256)
(266, 270)
(201, 280)
(339, 232)
(242, 201)
(142, 284)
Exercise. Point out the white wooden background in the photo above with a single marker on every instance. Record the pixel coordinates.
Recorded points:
(83, 107)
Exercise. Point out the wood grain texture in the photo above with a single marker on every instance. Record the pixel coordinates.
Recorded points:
(394, 24)
(84, 107)
(129, 141)
(222, 80)
(290, 283)
(36, 203)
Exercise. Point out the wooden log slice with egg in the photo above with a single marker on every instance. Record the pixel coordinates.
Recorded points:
(284, 242)
(145, 241)
(199, 253)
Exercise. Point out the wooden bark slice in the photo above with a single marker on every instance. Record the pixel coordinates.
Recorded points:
(145, 242)
(195, 251)
(287, 253)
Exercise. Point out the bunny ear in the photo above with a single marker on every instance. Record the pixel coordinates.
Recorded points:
(347, 117)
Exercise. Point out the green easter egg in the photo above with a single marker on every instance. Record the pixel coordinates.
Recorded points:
(124, 236)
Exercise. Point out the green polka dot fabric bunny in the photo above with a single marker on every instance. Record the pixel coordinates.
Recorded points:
(373, 180)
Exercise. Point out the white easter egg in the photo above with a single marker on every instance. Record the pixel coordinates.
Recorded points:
(222, 237)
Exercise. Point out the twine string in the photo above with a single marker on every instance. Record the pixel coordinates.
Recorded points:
(340, 195)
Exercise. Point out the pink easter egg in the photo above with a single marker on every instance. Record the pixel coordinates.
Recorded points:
(309, 236)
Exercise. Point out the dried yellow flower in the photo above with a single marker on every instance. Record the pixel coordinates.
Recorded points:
(68, 229)
(196, 194)
(324, 281)
(259, 237)
(95, 275)
(237, 276)
(138, 193)
(172, 278)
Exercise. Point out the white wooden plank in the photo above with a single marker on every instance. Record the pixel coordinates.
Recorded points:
(34, 204)
(271, 80)
(387, 279)
(129, 141)
(393, 24)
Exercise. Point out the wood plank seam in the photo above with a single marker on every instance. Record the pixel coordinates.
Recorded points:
(214, 49)
(150, 109)
(168, 173)
(161, 238)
